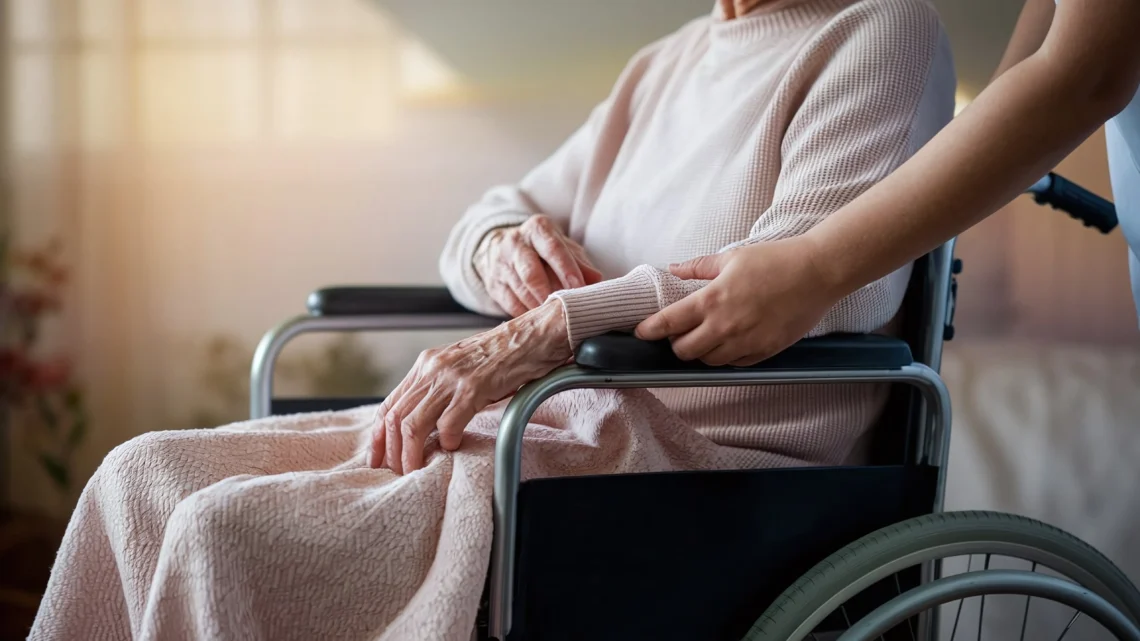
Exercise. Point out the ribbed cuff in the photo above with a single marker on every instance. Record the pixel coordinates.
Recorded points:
(613, 305)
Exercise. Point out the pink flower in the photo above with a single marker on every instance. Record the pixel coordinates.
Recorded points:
(47, 376)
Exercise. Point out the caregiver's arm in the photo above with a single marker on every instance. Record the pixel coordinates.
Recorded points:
(857, 118)
(769, 295)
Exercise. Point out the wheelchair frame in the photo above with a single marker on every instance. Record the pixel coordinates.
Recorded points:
(373, 309)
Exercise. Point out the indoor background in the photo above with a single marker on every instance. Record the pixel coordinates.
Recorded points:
(207, 163)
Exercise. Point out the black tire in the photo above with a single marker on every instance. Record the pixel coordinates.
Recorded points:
(880, 554)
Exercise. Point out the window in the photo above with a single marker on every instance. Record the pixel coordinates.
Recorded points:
(105, 74)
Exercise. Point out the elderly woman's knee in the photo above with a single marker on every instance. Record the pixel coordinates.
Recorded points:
(144, 456)
(201, 522)
(220, 518)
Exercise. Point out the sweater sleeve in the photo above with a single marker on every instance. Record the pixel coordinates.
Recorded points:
(880, 94)
(550, 189)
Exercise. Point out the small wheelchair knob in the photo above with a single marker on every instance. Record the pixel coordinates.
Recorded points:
(948, 333)
(956, 266)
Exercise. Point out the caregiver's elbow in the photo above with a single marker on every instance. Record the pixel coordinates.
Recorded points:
(1112, 92)
(1097, 82)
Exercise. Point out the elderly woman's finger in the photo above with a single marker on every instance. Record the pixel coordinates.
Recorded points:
(376, 458)
(506, 298)
(531, 270)
(393, 421)
(579, 253)
(455, 419)
(392, 444)
(557, 254)
(676, 319)
(521, 291)
(376, 446)
(416, 427)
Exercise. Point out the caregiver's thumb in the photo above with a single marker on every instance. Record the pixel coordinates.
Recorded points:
(703, 268)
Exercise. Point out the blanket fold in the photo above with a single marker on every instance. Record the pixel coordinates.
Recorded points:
(276, 529)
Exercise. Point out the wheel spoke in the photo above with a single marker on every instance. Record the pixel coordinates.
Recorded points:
(982, 608)
(1025, 616)
(958, 613)
(1073, 620)
(846, 620)
(909, 622)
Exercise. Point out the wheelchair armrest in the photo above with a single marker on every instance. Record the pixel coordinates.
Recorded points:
(383, 301)
(627, 353)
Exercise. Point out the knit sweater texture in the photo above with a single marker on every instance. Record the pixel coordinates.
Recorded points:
(725, 133)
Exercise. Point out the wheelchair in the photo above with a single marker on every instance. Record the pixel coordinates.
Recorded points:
(606, 557)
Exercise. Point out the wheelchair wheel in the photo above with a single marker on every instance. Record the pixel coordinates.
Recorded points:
(825, 601)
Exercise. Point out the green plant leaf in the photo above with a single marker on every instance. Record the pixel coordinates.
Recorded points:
(46, 412)
(57, 470)
(73, 400)
(77, 432)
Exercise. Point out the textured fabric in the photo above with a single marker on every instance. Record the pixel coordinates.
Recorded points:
(727, 133)
(721, 133)
(276, 529)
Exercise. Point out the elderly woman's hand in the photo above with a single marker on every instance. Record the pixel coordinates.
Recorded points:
(521, 266)
(449, 385)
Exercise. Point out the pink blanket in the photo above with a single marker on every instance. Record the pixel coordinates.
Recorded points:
(275, 529)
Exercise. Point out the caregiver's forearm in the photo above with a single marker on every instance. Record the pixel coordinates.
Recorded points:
(1016, 131)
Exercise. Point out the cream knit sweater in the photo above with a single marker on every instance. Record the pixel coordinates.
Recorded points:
(729, 132)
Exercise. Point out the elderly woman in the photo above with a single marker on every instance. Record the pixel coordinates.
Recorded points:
(749, 125)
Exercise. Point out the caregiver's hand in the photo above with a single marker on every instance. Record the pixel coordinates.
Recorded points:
(523, 265)
(764, 297)
(447, 386)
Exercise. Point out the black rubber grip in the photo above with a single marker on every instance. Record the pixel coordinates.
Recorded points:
(1078, 202)
(380, 301)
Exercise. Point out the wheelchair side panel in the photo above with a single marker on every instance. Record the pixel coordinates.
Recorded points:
(690, 555)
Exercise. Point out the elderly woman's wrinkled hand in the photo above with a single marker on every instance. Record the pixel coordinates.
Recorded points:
(448, 386)
(523, 265)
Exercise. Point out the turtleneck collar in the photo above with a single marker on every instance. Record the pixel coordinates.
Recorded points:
(770, 18)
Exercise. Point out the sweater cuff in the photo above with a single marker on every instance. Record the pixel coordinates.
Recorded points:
(612, 305)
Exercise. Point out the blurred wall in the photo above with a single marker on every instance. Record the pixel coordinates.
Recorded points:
(210, 162)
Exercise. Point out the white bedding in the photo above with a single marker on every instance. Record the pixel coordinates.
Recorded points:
(1052, 433)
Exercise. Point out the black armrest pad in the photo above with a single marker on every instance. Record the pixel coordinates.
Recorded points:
(379, 301)
(627, 353)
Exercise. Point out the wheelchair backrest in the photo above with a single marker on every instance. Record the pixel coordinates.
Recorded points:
(924, 322)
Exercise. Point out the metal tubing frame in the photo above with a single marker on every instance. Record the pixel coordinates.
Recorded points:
(938, 279)
(939, 314)
(508, 446)
(1017, 582)
(265, 358)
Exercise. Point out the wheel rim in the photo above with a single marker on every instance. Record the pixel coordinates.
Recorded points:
(949, 550)
(992, 582)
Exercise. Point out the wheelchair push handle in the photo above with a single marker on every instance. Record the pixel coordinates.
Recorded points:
(1078, 202)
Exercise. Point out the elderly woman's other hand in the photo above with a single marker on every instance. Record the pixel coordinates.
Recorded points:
(521, 266)
(447, 386)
